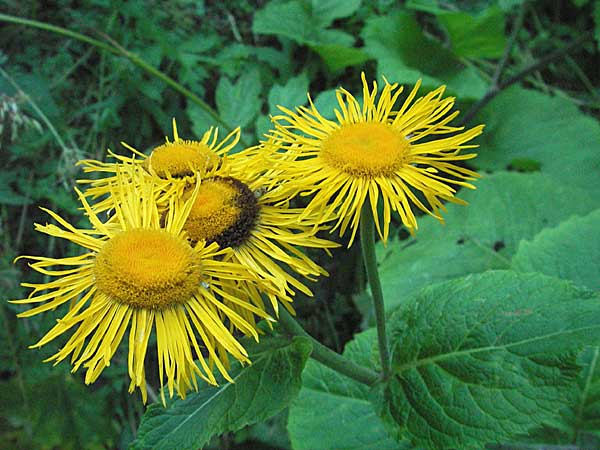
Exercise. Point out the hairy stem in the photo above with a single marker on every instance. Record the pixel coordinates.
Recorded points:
(367, 242)
(327, 356)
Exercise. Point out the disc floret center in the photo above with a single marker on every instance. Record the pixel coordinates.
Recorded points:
(147, 268)
(225, 212)
(365, 149)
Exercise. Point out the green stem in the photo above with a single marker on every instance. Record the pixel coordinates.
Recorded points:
(367, 241)
(118, 50)
(327, 356)
(37, 109)
(495, 89)
(509, 46)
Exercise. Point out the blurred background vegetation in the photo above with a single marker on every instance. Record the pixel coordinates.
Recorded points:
(62, 100)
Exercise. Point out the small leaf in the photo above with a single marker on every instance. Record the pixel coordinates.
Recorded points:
(570, 251)
(60, 410)
(8, 195)
(333, 411)
(326, 102)
(259, 392)
(201, 120)
(290, 95)
(238, 103)
(338, 57)
(326, 11)
(305, 23)
(290, 19)
(485, 358)
(430, 6)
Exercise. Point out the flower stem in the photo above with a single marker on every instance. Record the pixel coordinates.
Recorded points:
(327, 356)
(367, 241)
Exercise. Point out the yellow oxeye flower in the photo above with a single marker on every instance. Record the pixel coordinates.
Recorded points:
(234, 209)
(140, 272)
(401, 157)
(170, 164)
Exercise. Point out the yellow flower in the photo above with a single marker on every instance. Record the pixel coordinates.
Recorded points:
(140, 271)
(170, 164)
(401, 157)
(233, 208)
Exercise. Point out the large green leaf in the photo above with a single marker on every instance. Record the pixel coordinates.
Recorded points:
(485, 359)
(570, 251)
(528, 125)
(238, 103)
(404, 54)
(475, 36)
(259, 392)
(585, 413)
(505, 208)
(579, 424)
(333, 411)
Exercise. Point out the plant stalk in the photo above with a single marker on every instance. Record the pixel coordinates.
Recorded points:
(327, 356)
(511, 43)
(495, 89)
(367, 241)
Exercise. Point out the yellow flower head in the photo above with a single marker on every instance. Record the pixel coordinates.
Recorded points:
(171, 165)
(401, 157)
(140, 272)
(233, 208)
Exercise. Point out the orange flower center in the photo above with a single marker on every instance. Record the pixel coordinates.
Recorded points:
(365, 149)
(147, 269)
(182, 158)
(225, 211)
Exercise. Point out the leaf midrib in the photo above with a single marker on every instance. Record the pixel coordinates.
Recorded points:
(434, 359)
(585, 391)
(219, 392)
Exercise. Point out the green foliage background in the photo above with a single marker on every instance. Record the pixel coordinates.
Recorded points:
(529, 241)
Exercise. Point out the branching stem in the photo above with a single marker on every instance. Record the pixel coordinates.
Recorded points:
(498, 86)
(327, 356)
